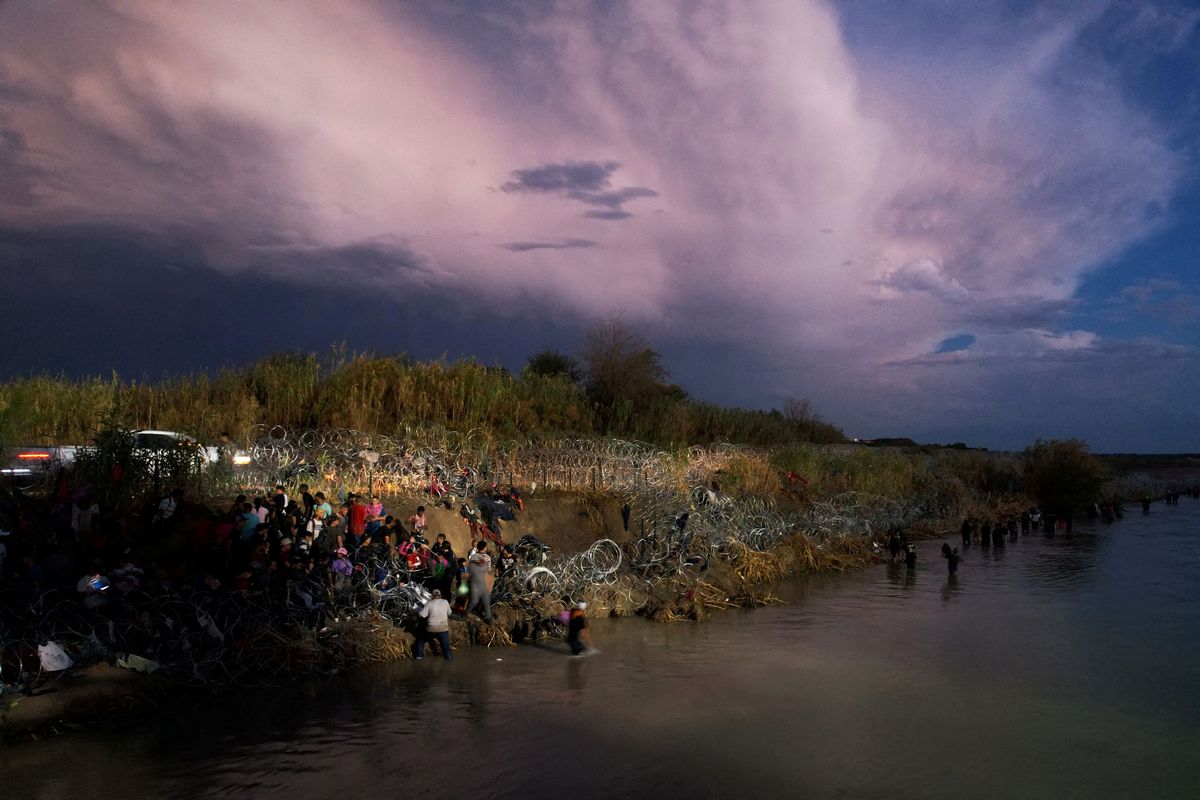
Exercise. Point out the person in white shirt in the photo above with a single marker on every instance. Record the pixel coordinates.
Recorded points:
(479, 564)
(317, 524)
(83, 511)
(168, 506)
(436, 614)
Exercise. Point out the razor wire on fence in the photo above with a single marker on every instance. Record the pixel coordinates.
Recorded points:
(657, 481)
(459, 463)
(682, 525)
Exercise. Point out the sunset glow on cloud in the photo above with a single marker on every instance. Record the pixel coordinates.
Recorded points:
(779, 180)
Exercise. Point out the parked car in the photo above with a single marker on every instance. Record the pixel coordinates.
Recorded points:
(27, 467)
(30, 466)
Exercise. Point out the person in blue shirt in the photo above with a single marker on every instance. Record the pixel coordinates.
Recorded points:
(248, 521)
(322, 503)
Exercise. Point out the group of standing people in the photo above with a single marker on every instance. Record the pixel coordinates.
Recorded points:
(995, 533)
(900, 549)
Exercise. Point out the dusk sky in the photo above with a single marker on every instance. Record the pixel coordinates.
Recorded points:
(954, 221)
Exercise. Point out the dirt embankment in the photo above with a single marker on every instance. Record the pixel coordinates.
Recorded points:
(567, 522)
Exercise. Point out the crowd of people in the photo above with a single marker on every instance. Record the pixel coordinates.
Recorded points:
(295, 550)
(994, 533)
(283, 548)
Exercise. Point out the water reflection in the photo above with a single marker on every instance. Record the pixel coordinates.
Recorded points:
(1065, 563)
(950, 588)
(577, 672)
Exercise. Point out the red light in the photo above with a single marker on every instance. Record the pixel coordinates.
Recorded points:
(33, 456)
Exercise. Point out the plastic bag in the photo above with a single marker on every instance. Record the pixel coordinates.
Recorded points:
(53, 657)
(137, 663)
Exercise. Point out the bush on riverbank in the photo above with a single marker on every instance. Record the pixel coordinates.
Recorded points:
(1062, 475)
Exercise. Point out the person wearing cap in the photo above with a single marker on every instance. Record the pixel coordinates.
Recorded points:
(578, 636)
(341, 565)
(340, 572)
(436, 614)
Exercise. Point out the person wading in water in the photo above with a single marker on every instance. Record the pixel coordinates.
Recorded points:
(578, 635)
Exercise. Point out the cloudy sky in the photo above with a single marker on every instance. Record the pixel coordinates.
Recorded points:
(952, 221)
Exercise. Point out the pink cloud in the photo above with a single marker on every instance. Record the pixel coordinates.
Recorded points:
(762, 177)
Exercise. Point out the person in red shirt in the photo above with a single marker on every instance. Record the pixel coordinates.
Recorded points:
(356, 519)
(436, 487)
(413, 558)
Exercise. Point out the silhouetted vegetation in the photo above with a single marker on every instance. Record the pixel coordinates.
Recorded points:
(1062, 475)
(552, 364)
(392, 394)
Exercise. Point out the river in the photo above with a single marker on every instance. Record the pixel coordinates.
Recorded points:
(1065, 667)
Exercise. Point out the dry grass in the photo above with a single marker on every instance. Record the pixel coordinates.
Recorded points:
(369, 639)
(749, 474)
(384, 394)
(753, 568)
(474, 631)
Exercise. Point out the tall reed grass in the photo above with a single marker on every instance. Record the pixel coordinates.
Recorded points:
(829, 471)
(382, 394)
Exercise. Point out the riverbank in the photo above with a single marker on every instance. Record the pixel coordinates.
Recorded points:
(104, 695)
(1063, 658)
(735, 548)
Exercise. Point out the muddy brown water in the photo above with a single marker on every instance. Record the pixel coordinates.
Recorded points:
(1057, 668)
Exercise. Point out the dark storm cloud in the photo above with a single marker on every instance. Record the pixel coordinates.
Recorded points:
(614, 215)
(268, 204)
(572, 176)
(568, 244)
(586, 182)
(372, 262)
(614, 199)
(1009, 313)
(84, 301)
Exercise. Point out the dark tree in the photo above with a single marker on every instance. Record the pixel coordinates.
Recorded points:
(624, 375)
(1062, 475)
(800, 410)
(551, 363)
